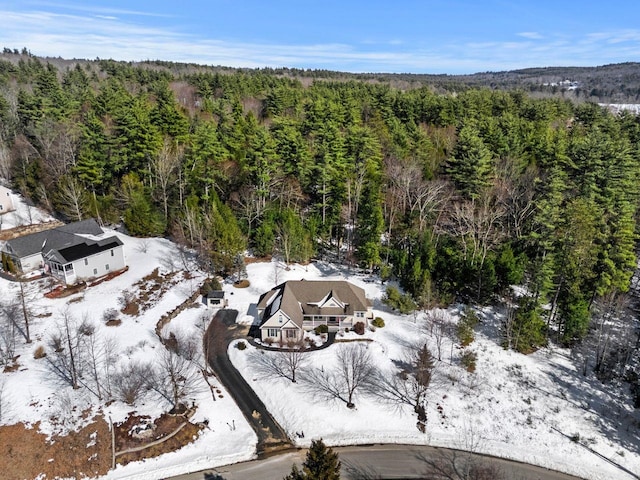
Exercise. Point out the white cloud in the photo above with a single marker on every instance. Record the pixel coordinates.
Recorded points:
(531, 35)
(96, 10)
(100, 33)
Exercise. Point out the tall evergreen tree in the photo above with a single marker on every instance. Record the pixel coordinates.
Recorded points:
(470, 166)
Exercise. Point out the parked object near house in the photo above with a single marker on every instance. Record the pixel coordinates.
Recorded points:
(6, 202)
(214, 298)
(74, 252)
(293, 307)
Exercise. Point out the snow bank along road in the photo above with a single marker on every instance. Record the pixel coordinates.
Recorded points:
(375, 461)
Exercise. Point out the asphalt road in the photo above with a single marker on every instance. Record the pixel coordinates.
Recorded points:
(374, 462)
(221, 331)
(358, 463)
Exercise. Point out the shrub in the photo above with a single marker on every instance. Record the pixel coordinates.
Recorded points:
(359, 328)
(320, 329)
(378, 322)
(468, 360)
(39, 352)
(110, 315)
(464, 329)
(241, 345)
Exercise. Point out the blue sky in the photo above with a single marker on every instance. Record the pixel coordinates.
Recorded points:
(429, 36)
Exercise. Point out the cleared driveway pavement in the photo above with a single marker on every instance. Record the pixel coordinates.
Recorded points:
(221, 331)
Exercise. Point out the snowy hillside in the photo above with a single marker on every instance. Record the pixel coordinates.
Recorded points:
(535, 408)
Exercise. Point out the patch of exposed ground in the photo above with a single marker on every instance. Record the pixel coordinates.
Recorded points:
(139, 431)
(26, 454)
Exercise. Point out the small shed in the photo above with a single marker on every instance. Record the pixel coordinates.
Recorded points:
(214, 298)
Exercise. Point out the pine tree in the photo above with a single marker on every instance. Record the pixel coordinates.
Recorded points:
(321, 464)
(470, 166)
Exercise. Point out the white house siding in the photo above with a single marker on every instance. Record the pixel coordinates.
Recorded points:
(100, 264)
(31, 263)
(6, 203)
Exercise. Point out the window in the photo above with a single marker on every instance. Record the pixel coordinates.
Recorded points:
(1, 207)
(95, 271)
(106, 267)
(291, 333)
(112, 253)
(359, 314)
(86, 261)
(272, 332)
(279, 318)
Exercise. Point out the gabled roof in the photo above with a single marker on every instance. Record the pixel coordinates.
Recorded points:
(85, 249)
(56, 238)
(307, 297)
(214, 294)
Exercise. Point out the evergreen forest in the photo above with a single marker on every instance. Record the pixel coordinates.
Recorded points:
(458, 195)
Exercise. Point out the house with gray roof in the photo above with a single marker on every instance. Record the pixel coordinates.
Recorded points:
(293, 307)
(74, 252)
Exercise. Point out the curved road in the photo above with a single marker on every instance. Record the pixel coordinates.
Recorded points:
(375, 462)
(221, 331)
(358, 462)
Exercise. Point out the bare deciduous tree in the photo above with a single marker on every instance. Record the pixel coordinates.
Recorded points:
(438, 325)
(164, 167)
(130, 381)
(6, 161)
(5, 404)
(8, 334)
(353, 373)
(409, 384)
(283, 364)
(174, 378)
(72, 198)
(64, 344)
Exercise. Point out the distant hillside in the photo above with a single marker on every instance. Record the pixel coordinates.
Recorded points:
(615, 83)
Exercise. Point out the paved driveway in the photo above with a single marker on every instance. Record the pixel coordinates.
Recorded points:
(221, 331)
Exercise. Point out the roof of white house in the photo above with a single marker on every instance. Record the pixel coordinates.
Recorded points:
(84, 249)
(56, 238)
(313, 297)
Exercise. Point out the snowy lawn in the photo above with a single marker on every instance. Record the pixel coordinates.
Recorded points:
(32, 393)
(536, 409)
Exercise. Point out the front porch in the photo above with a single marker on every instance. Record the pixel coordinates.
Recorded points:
(334, 322)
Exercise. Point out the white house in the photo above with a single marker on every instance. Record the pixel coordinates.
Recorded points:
(74, 252)
(6, 202)
(289, 309)
(86, 260)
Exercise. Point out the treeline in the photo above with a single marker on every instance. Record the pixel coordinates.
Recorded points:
(457, 195)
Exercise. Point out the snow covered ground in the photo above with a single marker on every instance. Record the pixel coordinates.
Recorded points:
(24, 214)
(535, 408)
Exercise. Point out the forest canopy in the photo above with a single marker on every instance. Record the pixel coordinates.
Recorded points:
(458, 195)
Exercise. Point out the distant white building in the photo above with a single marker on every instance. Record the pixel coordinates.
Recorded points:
(6, 203)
